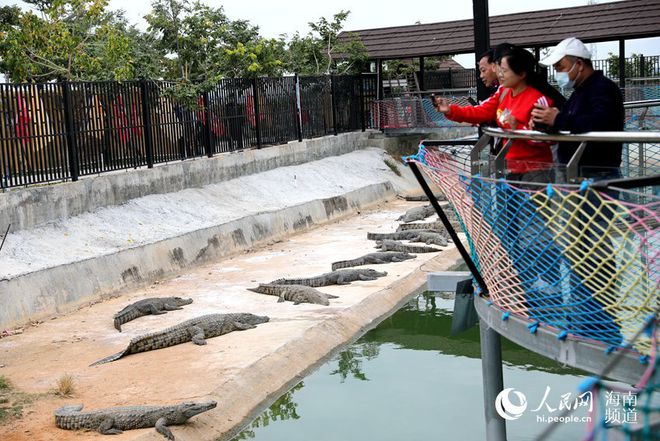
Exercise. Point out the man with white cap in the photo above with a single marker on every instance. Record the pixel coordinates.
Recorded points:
(596, 104)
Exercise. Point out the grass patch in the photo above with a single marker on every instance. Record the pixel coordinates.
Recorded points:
(65, 386)
(392, 165)
(12, 402)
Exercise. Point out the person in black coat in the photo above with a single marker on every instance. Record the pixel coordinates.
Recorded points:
(596, 104)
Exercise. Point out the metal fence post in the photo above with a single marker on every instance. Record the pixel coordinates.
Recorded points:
(74, 167)
(298, 107)
(257, 123)
(146, 122)
(334, 104)
(362, 122)
(209, 133)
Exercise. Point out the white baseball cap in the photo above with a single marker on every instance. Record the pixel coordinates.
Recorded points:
(569, 46)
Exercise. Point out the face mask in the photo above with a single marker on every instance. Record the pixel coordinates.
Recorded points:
(563, 80)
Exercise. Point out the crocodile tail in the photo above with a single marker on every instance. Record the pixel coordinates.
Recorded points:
(125, 316)
(342, 264)
(110, 358)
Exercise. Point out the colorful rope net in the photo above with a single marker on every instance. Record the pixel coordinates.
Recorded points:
(582, 261)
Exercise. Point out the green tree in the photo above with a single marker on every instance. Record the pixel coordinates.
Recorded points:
(322, 52)
(634, 66)
(69, 39)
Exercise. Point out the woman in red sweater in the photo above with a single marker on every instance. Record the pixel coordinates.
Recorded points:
(521, 89)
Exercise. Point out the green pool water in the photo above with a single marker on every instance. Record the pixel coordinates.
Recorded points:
(409, 380)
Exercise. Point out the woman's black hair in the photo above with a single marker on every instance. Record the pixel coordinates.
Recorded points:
(501, 50)
(522, 61)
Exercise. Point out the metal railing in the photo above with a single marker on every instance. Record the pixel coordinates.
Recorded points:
(61, 131)
(647, 143)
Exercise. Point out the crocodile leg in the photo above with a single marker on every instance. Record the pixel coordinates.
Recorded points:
(341, 281)
(169, 307)
(330, 296)
(106, 428)
(163, 429)
(197, 335)
(376, 261)
(363, 277)
(243, 326)
(155, 311)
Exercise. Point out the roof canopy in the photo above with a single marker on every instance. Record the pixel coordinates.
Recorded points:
(604, 22)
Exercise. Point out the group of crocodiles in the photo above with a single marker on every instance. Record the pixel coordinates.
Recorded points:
(391, 250)
(114, 420)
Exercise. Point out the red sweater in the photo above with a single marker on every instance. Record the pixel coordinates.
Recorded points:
(523, 155)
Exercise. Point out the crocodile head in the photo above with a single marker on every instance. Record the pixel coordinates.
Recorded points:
(373, 273)
(254, 319)
(191, 409)
(180, 301)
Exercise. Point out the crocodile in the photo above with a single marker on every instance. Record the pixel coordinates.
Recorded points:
(339, 277)
(114, 420)
(393, 245)
(373, 258)
(417, 213)
(430, 226)
(295, 293)
(423, 197)
(195, 330)
(154, 305)
(412, 235)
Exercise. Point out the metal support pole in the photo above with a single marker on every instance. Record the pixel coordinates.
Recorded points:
(379, 79)
(146, 122)
(209, 133)
(333, 97)
(298, 108)
(452, 233)
(362, 115)
(622, 63)
(74, 169)
(491, 370)
(257, 122)
(481, 38)
(422, 87)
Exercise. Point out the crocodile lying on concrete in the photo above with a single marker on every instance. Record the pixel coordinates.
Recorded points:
(393, 245)
(113, 420)
(423, 197)
(195, 330)
(428, 236)
(432, 226)
(154, 305)
(295, 293)
(339, 277)
(417, 213)
(373, 258)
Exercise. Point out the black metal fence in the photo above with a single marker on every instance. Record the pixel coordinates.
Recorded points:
(59, 131)
(450, 79)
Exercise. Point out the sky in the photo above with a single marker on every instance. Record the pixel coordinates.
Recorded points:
(276, 17)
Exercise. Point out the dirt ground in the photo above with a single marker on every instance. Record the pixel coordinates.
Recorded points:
(240, 370)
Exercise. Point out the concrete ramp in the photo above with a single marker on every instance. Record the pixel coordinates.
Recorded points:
(50, 268)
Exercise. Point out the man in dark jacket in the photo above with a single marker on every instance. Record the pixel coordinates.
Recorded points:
(595, 105)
